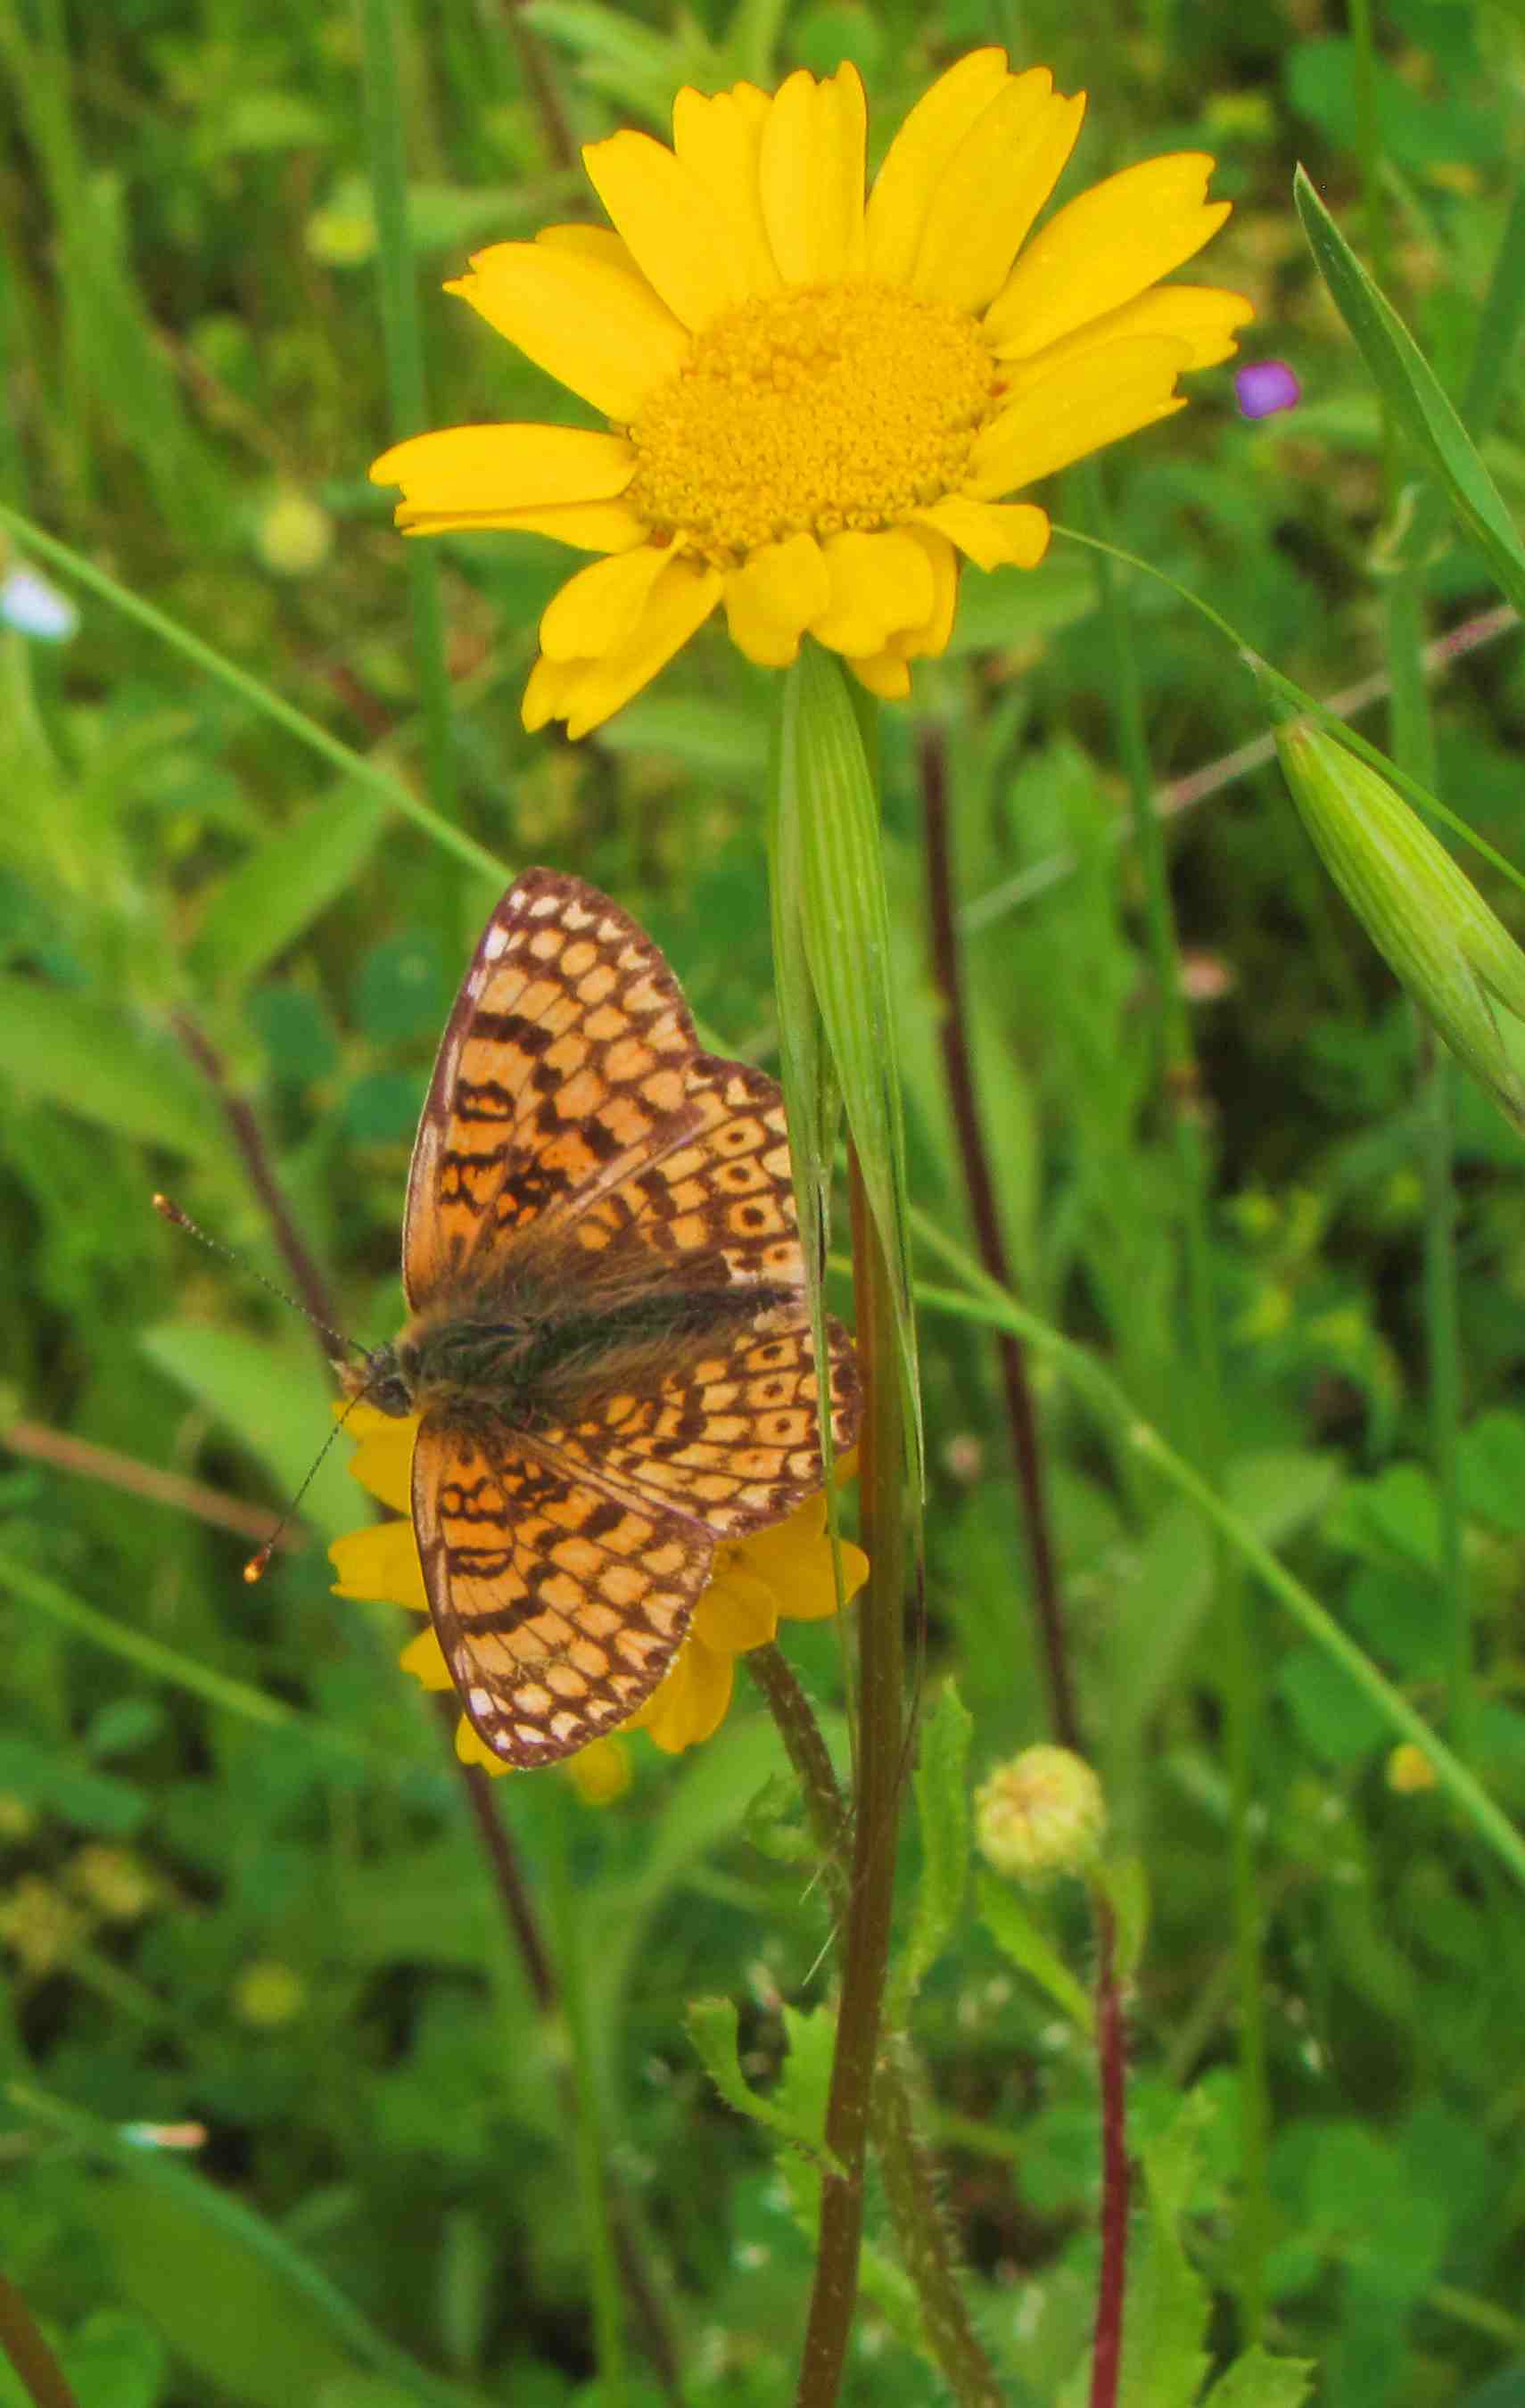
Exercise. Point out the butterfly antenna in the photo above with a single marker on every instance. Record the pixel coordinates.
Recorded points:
(258, 1565)
(169, 1210)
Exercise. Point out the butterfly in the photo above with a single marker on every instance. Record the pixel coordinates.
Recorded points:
(609, 1342)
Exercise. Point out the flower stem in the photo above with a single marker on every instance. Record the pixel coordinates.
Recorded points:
(1112, 2059)
(1240, 1687)
(37, 2368)
(1021, 1415)
(880, 1758)
(905, 2161)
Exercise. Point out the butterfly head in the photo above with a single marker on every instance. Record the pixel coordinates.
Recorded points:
(383, 1381)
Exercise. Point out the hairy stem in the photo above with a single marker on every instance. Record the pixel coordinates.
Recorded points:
(880, 1747)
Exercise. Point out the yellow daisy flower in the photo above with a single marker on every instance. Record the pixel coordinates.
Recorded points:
(781, 1575)
(816, 402)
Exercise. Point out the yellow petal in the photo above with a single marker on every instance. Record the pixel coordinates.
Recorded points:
(994, 189)
(585, 526)
(472, 1749)
(1198, 315)
(600, 1771)
(1106, 394)
(878, 582)
(600, 608)
(508, 468)
(1104, 247)
(772, 599)
(931, 637)
(993, 535)
(663, 212)
(906, 184)
(425, 1658)
(810, 168)
(382, 1461)
(720, 141)
(586, 692)
(599, 329)
(885, 674)
(382, 1563)
(592, 241)
(815, 1599)
(690, 1704)
(738, 1610)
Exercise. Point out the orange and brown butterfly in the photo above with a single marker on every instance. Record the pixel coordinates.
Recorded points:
(610, 1345)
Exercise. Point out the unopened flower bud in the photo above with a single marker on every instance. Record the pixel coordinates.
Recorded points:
(1455, 957)
(1041, 1814)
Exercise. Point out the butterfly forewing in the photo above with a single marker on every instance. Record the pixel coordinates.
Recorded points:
(561, 1070)
(580, 1155)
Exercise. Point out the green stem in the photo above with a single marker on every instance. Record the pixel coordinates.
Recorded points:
(260, 697)
(408, 399)
(1240, 1687)
(980, 1299)
(880, 1756)
(588, 2148)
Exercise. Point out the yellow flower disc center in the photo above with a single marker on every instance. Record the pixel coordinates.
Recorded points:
(820, 408)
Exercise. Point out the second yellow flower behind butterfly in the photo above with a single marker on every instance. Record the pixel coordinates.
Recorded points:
(782, 1574)
(816, 403)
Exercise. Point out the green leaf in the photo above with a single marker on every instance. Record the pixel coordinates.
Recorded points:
(273, 1395)
(942, 1815)
(1492, 1465)
(1014, 1931)
(1409, 387)
(277, 893)
(77, 1056)
(712, 2025)
(1257, 2380)
(49, 1778)
(1168, 2302)
(115, 2360)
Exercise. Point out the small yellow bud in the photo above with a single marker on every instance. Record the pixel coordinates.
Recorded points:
(293, 535)
(267, 1994)
(1409, 1768)
(1041, 1814)
(113, 1880)
(40, 1926)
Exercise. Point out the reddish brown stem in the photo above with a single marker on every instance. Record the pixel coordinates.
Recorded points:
(248, 1138)
(113, 1470)
(1112, 2059)
(1021, 1415)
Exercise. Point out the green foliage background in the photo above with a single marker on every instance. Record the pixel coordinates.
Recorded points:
(241, 1888)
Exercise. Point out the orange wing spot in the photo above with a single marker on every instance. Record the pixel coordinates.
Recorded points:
(568, 1054)
(597, 983)
(546, 943)
(623, 1116)
(689, 1232)
(578, 958)
(622, 1584)
(629, 1060)
(663, 1091)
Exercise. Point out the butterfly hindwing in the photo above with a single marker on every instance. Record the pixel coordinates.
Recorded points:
(557, 1608)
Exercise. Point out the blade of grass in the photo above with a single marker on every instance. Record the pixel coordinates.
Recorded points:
(259, 696)
(107, 2144)
(1411, 391)
(407, 397)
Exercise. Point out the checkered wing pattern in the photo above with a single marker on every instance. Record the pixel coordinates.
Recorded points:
(558, 1608)
(570, 1096)
(729, 1445)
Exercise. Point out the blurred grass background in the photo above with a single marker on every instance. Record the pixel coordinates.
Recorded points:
(241, 1890)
